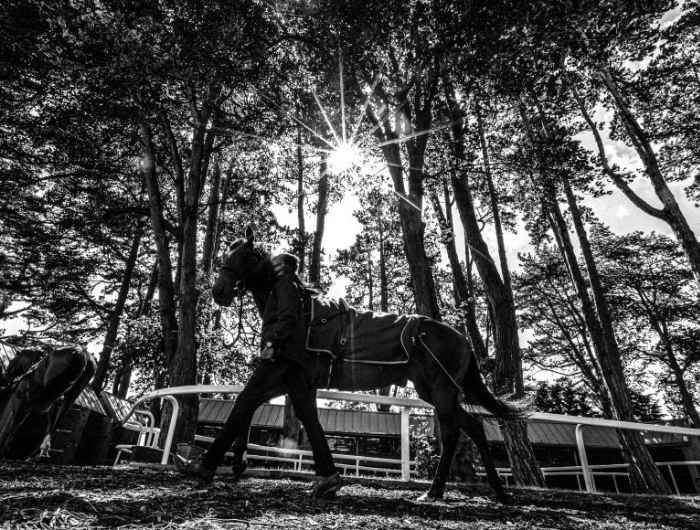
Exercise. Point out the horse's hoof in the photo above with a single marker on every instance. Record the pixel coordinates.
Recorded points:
(504, 498)
(193, 470)
(326, 487)
(429, 497)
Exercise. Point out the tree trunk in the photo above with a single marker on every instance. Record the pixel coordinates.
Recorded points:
(182, 369)
(413, 231)
(410, 205)
(98, 381)
(493, 198)
(687, 400)
(370, 278)
(650, 478)
(166, 291)
(671, 212)
(291, 428)
(123, 382)
(210, 236)
(479, 345)
(383, 280)
(383, 298)
(301, 247)
(461, 289)
(506, 378)
(321, 208)
(644, 474)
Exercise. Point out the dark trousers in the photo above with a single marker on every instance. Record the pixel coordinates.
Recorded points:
(272, 379)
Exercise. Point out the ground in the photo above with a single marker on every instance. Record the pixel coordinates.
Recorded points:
(44, 496)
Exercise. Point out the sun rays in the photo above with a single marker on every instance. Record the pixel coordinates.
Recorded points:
(335, 140)
(343, 157)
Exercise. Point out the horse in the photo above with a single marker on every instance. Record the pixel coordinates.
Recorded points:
(37, 389)
(440, 365)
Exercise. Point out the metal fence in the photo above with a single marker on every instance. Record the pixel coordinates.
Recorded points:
(300, 459)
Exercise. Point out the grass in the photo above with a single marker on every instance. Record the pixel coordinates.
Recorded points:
(45, 496)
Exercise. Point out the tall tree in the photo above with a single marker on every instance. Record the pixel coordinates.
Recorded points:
(650, 290)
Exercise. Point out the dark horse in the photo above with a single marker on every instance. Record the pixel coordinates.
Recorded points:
(441, 367)
(36, 390)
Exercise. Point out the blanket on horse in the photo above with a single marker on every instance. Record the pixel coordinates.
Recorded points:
(349, 335)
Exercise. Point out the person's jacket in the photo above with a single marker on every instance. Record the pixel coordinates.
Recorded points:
(283, 318)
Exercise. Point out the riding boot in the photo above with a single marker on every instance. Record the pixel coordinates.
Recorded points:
(326, 487)
(194, 470)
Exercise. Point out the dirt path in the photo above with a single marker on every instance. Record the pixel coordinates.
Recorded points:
(72, 497)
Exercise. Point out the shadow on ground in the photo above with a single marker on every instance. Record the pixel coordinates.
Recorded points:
(53, 496)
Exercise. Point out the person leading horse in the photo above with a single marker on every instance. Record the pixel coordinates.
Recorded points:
(284, 363)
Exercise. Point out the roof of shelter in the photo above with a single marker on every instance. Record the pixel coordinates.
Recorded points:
(215, 411)
(89, 400)
(342, 421)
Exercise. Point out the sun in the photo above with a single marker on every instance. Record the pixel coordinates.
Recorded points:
(343, 157)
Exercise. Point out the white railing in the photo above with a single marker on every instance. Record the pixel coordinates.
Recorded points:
(585, 470)
(301, 460)
(597, 470)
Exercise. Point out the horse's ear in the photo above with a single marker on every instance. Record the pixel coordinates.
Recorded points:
(249, 235)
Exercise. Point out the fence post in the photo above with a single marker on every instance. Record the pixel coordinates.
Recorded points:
(405, 446)
(587, 474)
(673, 479)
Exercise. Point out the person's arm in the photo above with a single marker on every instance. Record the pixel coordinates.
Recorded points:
(288, 312)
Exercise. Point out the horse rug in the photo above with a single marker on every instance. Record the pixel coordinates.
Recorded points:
(350, 335)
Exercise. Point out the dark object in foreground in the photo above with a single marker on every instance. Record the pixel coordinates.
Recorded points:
(434, 356)
(36, 390)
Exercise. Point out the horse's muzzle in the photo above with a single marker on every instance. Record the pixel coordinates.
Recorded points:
(226, 299)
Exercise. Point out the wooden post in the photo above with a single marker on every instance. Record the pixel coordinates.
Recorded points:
(405, 445)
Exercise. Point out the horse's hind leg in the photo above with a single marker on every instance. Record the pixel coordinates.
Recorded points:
(59, 410)
(445, 401)
(475, 430)
(449, 434)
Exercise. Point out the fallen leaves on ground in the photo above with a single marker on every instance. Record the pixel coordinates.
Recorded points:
(45, 496)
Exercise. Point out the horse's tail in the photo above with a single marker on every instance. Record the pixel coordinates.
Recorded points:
(476, 392)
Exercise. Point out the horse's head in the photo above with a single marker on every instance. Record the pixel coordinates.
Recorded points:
(242, 268)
